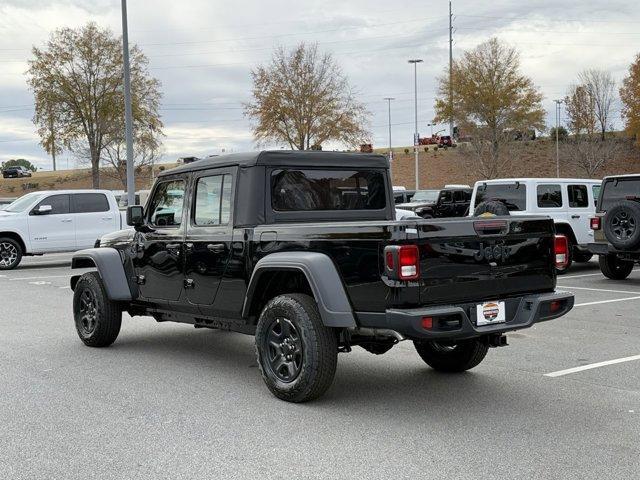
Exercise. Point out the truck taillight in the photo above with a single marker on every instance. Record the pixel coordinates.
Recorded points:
(561, 251)
(595, 223)
(402, 262)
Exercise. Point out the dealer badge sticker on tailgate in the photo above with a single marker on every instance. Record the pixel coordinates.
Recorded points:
(490, 312)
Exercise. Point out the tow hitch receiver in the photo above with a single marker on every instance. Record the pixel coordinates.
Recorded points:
(498, 340)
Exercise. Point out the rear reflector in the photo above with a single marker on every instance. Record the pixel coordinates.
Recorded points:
(427, 323)
(555, 306)
(595, 223)
(561, 251)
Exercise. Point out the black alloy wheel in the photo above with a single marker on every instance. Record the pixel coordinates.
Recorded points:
(284, 350)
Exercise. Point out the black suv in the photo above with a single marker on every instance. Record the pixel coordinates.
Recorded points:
(617, 226)
(15, 172)
(302, 250)
(443, 203)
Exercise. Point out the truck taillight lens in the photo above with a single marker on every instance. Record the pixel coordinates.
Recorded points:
(595, 223)
(408, 262)
(402, 262)
(561, 250)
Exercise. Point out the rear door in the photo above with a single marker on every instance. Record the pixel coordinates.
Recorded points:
(581, 208)
(93, 217)
(209, 236)
(54, 230)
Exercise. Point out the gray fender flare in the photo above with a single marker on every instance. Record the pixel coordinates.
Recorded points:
(109, 265)
(326, 284)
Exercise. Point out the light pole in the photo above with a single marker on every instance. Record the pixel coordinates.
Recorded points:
(431, 125)
(388, 99)
(558, 103)
(416, 137)
(131, 184)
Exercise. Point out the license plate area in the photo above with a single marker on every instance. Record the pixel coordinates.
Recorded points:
(488, 313)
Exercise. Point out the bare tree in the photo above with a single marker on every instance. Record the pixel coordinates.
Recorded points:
(590, 154)
(600, 87)
(303, 99)
(493, 103)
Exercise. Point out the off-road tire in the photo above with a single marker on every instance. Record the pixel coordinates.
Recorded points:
(8, 246)
(106, 313)
(318, 344)
(493, 207)
(614, 268)
(623, 236)
(452, 357)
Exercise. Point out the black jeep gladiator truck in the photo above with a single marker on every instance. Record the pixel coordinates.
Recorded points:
(301, 249)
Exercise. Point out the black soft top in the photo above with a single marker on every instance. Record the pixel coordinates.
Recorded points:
(284, 158)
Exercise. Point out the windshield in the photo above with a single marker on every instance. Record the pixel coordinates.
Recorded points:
(24, 202)
(430, 196)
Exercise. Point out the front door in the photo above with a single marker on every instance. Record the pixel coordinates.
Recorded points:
(159, 264)
(580, 210)
(52, 229)
(209, 236)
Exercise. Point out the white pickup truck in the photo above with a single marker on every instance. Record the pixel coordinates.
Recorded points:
(55, 221)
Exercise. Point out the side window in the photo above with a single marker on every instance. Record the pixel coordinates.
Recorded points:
(458, 196)
(549, 196)
(213, 201)
(59, 204)
(578, 196)
(596, 193)
(446, 196)
(165, 209)
(89, 202)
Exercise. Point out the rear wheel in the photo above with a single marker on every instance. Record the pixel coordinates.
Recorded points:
(97, 318)
(10, 253)
(297, 354)
(614, 268)
(452, 356)
(490, 208)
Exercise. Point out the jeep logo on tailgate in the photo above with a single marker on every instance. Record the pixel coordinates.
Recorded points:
(492, 253)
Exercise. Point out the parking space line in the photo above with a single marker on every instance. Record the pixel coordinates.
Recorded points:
(589, 274)
(606, 301)
(37, 278)
(599, 289)
(591, 366)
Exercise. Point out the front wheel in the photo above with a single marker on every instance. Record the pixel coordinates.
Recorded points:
(10, 253)
(297, 354)
(452, 356)
(614, 268)
(97, 318)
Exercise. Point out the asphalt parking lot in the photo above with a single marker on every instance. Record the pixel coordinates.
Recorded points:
(169, 401)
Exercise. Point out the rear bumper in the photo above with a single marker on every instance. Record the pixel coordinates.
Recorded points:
(608, 249)
(459, 322)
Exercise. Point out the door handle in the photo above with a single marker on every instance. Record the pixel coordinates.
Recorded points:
(216, 247)
(172, 246)
(107, 218)
(575, 216)
(66, 220)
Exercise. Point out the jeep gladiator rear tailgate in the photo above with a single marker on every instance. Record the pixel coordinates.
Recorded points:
(478, 259)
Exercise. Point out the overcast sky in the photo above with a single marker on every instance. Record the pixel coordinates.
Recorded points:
(202, 52)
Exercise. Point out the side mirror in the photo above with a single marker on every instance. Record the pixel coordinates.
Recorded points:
(135, 215)
(44, 209)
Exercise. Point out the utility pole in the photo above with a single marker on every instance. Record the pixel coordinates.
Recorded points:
(450, 71)
(131, 184)
(388, 99)
(416, 136)
(558, 102)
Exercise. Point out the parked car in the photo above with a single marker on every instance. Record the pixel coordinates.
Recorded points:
(402, 196)
(15, 172)
(446, 202)
(616, 226)
(570, 202)
(445, 141)
(275, 245)
(55, 221)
